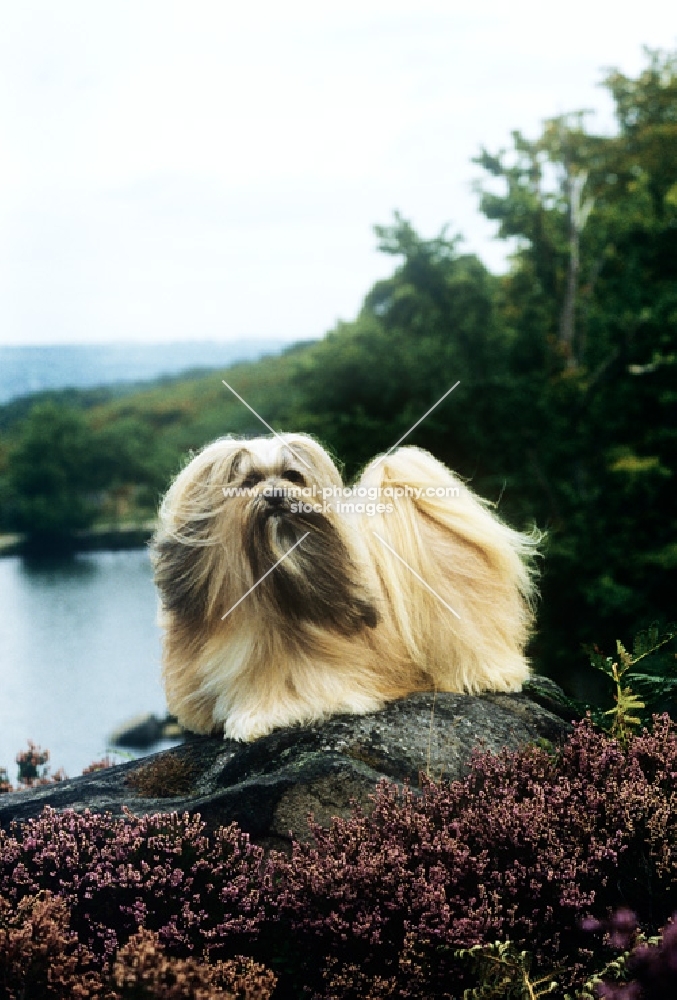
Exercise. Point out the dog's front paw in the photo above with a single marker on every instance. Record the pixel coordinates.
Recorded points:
(246, 728)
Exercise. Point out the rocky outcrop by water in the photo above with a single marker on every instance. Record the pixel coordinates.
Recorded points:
(271, 785)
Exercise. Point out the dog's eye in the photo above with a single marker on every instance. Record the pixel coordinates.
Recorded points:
(292, 476)
(251, 479)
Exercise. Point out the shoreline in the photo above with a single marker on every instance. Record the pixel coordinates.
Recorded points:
(101, 539)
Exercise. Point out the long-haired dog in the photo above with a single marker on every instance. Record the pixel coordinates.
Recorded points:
(283, 601)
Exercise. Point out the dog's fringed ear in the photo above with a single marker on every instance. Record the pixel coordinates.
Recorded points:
(176, 568)
(185, 550)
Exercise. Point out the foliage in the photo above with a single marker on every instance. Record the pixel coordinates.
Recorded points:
(645, 969)
(33, 769)
(496, 879)
(143, 971)
(504, 973)
(430, 325)
(40, 956)
(653, 968)
(591, 304)
(160, 872)
(52, 473)
(658, 683)
(61, 469)
(521, 850)
(30, 762)
(163, 778)
(124, 446)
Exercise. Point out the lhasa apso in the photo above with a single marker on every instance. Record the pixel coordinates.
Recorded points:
(287, 597)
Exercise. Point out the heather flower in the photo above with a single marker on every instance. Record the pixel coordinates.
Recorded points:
(142, 969)
(40, 956)
(526, 847)
(30, 761)
(530, 852)
(33, 770)
(118, 874)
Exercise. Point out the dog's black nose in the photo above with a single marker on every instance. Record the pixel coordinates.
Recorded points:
(275, 496)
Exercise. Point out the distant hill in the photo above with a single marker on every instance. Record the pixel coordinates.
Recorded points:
(28, 370)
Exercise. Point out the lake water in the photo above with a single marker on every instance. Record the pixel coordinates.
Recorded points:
(79, 654)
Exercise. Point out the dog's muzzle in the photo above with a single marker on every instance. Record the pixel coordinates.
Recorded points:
(277, 499)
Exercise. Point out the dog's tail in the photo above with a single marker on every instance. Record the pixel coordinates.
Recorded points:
(458, 582)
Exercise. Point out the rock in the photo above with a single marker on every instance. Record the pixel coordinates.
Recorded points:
(269, 786)
(140, 731)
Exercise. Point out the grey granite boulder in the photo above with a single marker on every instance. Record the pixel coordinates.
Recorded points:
(271, 785)
(142, 731)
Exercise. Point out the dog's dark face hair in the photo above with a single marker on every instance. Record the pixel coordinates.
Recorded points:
(316, 578)
(318, 581)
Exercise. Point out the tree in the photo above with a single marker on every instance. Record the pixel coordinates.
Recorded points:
(420, 331)
(52, 474)
(62, 472)
(590, 307)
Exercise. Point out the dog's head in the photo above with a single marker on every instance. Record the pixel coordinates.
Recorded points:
(251, 518)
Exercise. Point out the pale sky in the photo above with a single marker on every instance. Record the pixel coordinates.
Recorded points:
(213, 170)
